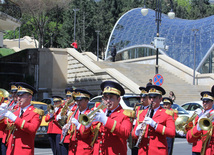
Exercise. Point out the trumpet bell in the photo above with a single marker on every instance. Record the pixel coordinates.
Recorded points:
(84, 119)
(205, 124)
(180, 122)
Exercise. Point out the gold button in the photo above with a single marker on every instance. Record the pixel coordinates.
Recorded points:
(148, 137)
(12, 144)
(102, 134)
(14, 137)
(101, 142)
(148, 144)
(100, 151)
(75, 145)
(76, 138)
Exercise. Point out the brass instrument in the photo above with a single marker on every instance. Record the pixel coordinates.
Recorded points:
(50, 108)
(86, 119)
(143, 128)
(63, 113)
(184, 123)
(69, 125)
(206, 123)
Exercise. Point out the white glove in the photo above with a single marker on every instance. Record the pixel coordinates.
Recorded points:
(198, 127)
(181, 133)
(101, 117)
(58, 117)
(199, 112)
(75, 121)
(65, 129)
(4, 105)
(11, 116)
(138, 129)
(150, 122)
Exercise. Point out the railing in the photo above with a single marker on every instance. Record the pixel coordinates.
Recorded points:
(10, 8)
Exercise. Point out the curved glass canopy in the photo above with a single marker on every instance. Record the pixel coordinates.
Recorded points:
(133, 30)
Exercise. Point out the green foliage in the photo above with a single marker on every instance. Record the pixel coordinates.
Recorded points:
(5, 52)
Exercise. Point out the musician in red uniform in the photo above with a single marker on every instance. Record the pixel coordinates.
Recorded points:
(202, 140)
(80, 138)
(70, 102)
(12, 101)
(144, 104)
(111, 126)
(167, 104)
(158, 123)
(54, 129)
(23, 123)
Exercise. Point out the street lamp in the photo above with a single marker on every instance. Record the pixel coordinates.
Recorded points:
(97, 44)
(195, 31)
(158, 12)
(75, 10)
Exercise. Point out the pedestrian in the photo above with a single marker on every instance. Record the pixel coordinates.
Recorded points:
(111, 126)
(155, 124)
(149, 83)
(203, 141)
(113, 53)
(172, 96)
(23, 123)
(167, 104)
(74, 45)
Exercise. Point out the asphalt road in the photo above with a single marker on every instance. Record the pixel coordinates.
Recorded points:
(181, 146)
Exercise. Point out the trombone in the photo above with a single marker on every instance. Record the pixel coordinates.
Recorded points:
(206, 123)
(86, 119)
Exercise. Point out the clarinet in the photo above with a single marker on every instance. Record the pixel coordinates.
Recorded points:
(69, 125)
(143, 129)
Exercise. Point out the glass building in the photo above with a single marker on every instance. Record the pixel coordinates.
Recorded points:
(133, 33)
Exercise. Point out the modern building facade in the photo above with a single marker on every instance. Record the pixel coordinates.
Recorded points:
(133, 33)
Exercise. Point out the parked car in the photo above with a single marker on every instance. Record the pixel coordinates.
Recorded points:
(48, 101)
(192, 106)
(127, 101)
(41, 134)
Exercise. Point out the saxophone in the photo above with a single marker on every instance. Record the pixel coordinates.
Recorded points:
(64, 112)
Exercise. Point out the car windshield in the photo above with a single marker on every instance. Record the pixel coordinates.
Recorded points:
(130, 101)
(41, 106)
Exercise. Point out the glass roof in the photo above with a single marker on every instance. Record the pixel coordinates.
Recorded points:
(134, 30)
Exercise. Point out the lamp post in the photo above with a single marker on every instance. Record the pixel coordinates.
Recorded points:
(75, 10)
(195, 31)
(97, 44)
(158, 12)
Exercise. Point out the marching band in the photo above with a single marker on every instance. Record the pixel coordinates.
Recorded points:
(74, 129)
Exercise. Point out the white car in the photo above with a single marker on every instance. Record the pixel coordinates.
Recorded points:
(192, 106)
(127, 101)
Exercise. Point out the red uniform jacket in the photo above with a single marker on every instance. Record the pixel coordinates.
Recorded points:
(53, 127)
(21, 140)
(112, 138)
(198, 138)
(67, 138)
(154, 141)
(80, 139)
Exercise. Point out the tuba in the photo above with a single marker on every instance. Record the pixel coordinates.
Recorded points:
(86, 119)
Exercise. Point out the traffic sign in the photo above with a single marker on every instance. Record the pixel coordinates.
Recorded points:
(158, 80)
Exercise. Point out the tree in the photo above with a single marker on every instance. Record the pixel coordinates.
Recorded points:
(36, 11)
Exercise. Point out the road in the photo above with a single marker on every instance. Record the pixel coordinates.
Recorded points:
(180, 147)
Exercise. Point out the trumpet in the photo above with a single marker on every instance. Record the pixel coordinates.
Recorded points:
(50, 108)
(206, 123)
(10, 108)
(143, 129)
(86, 119)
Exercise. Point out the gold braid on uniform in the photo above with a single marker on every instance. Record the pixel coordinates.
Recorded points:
(95, 131)
(209, 134)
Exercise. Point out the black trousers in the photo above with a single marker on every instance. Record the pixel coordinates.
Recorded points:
(54, 142)
(64, 148)
(170, 143)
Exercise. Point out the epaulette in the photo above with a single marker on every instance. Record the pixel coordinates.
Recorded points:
(129, 113)
(169, 112)
(39, 111)
(175, 111)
